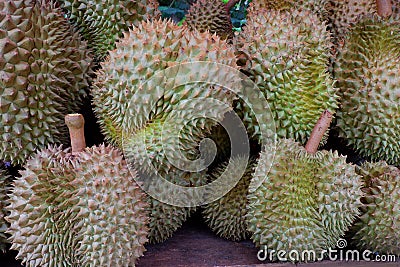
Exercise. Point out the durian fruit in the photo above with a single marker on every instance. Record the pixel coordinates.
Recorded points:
(45, 69)
(378, 228)
(165, 219)
(151, 62)
(305, 200)
(5, 182)
(102, 22)
(367, 71)
(289, 53)
(227, 215)
(212, 16)
(147, 105)
(344, 14)
(220, 137)
(257, 7)
(77, 208)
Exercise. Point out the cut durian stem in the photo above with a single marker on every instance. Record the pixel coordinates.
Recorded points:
(75, 124)
(318, 132)
(384, 8)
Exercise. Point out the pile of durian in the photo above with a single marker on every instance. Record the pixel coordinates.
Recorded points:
(314, 61)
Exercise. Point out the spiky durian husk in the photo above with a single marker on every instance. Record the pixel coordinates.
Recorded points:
(45, 69)
(81, 210)
(145, 50)
(289, 54)
(379, 226)
(344, 14)
(149, 130)
(5, 182)
(257, 7)
(367, 71)
(222, 140)
(102, 22)
(304, 201)
(165, 219)
(227, 215)
(212, 16)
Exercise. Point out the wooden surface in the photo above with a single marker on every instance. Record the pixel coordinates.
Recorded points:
(194, 245)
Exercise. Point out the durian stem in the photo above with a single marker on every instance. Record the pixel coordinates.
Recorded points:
(230, 4)
(75, 123)
(318, 132)
(384, 8)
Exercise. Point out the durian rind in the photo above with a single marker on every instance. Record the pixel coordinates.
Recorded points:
(45, 70)
(102, 22)
(165, 219)
(212, 16)
(304, 202)
(5, 185)
(141, 60)
(84, 210)
(227, 215)
(367, 71)
(289, 53)
(378, 228)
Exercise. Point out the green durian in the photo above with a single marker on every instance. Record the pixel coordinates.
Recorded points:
(378, 228)
(212, 16)
(227, 215)
(102, 22)
(147, 104)
(146, 52)
(302, 201)
(344, 14)
(289, 53)
(367, 71)
(45, 69)
(5, 183)
(165, 219)
(80, 209)
(220, 137)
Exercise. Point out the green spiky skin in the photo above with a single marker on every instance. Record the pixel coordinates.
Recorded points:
(45, 69)
(289, 54)
(147, 129)
(367, 71)
(304, 201)
(102, 22)
(5, 183)
(212, 16)
(147, 49)
(378, 228)
(165, 219)
(222, 141)
(227, 215)
(344, 14)
(77, 210)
